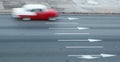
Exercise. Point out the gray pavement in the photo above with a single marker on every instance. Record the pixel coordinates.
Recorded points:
(44, 41)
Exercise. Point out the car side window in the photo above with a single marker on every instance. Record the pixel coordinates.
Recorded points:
(36, 10)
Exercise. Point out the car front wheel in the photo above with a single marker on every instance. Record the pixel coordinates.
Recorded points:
(26, 18)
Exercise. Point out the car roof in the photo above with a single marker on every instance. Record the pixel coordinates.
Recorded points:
(34, 6)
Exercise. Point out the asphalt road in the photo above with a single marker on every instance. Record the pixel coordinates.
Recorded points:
(72, 38)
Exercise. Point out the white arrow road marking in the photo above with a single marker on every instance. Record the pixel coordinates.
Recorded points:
(107, 55)
(84, 46)
(90, 40)
(71, 18)
(92, 56)
(60, 23)
(79, 28)
(72, 33)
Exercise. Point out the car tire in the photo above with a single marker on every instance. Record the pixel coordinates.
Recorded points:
(52, 18)
(26, 18)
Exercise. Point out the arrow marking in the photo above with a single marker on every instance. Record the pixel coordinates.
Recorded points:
(92, 56)
(107, 55)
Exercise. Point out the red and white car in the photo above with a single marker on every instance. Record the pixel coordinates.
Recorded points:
(35, 12)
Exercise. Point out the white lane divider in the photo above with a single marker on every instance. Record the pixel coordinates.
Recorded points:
(72, 33)
(61, 23)
(90, 47)
(82, 28)
(69, 18)
(92, 56)
(78, 40)
(79, 28)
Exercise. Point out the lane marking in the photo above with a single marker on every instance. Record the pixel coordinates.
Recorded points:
(92, 56)
(77, 40)
(82, 28)
(69, 18)
(84, 47)
(79, 28)
(62, 28)
(88, 57)
(60, 23)
(72, 33)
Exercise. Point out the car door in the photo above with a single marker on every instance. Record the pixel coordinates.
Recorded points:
(40, 14)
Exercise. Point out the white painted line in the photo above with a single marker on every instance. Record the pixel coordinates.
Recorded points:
(84, 47)
(81, 55)
(94, 40)
(72, 40)
(82, 28)
(63, 28)
(60, 23)
(72, 33)
(88, 56)
(78, 40)
(71, 18)
(79, 28)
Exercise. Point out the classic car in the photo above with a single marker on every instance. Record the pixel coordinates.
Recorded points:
(35, 12)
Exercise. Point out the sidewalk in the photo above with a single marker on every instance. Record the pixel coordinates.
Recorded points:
(1, 5)
(67, 6)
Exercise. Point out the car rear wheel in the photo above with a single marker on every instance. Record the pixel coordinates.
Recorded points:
(53, 18)
(26, 18)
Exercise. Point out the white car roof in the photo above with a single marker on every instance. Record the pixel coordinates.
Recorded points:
(34, 6)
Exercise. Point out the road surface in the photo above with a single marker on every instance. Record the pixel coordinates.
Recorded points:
(72, 38)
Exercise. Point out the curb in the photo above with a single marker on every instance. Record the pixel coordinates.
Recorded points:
(5, 11)
(8, 11)
(86, 13)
